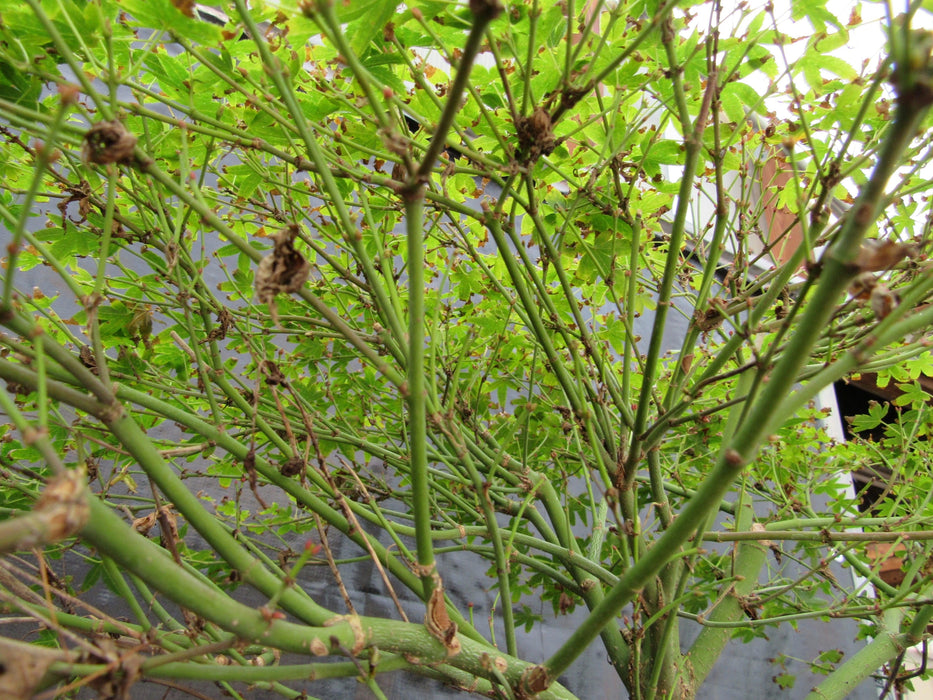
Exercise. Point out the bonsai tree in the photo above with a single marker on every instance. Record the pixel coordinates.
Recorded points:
(396, 280)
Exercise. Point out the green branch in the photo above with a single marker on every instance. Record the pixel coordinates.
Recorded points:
(838, 269)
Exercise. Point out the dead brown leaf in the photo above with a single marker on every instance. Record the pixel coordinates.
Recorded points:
(144, 524)
(186, 7)
(860, 288)
(283, 271)
(438, 622)
(293, 466)
(710, 318)
(80, 193)
(225, 319)
(883, 301)
(108, 142)
(875, 255)
(535, 135)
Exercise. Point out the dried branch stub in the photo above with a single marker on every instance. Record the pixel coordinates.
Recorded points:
(60, 512)
(64, 502)
(284, 270)
(108, 142)
(25, 665)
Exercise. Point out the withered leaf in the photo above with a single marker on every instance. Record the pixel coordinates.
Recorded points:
(144, 524)
(535, 135)
(711, 318)
(108, 142)
(225, 319)
(86, 355)
(438, 621)
(284, 270)
(186, 7)
(883, 301)
(274, 376)
(875, 255)
(293, 466)
(80, 193)
(861, 287)
(140, 323)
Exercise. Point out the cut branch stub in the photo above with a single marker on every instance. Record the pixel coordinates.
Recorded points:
(535, 679)
(283, 270)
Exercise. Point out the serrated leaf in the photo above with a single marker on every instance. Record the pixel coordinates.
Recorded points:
(666, 152)
(367, 19)
(162, 14)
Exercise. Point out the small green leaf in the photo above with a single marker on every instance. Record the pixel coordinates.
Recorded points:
(875, 417)
(832, 656)
(666, 152)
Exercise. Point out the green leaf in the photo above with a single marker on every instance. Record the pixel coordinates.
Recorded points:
(876, 415)
(162, 14)
(813, 65)
(815, 11)
(367, 19)
(914, 395)
(666, 152)
(746, 98)
(831, 656)
(18, 86)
